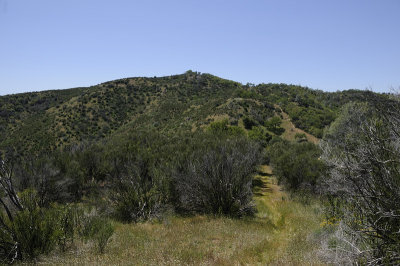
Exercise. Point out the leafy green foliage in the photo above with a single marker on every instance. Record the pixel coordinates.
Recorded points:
(222, 128)
(296, 165)
(35, 228)
(273, 125)
(30, 228)
(260, 135)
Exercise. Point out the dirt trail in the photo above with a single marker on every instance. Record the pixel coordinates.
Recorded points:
(294, 223)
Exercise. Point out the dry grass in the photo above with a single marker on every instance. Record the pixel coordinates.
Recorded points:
(280, 234)
(291, 130)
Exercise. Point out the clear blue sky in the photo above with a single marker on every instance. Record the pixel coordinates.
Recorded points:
(328, 45)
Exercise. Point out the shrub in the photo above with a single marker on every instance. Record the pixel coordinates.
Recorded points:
(98, 229)
(35, 229)
(273, 125)
(69, 219)
(103, 235)
(362, 151)
(141, 192)
(218, 180)
(296, 165)
(260, 135)
(27, 230)
(222, 128)
(248, 123)
(300, 137)
(44, 176)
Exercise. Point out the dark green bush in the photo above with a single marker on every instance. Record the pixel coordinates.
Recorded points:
(28, 230)
(222, 128)
(141, 191)
(249, 123)
(260, 135)
(273, 125)
(35, 229)
(296, 165)
(218, 180)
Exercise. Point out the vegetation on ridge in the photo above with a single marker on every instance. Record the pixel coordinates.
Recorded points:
(50, 120)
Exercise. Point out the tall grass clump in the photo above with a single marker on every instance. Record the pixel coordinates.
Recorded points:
(98, 229)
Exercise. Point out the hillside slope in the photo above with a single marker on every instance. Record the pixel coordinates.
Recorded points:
(45, 121)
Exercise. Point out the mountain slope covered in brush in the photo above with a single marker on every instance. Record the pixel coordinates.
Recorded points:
(48, 120)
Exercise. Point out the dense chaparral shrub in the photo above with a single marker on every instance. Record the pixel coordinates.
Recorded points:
(218, 180)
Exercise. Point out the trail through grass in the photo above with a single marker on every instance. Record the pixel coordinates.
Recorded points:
(295, 223)
(280, 234)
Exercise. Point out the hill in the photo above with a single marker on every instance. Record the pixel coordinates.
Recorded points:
(50, 120)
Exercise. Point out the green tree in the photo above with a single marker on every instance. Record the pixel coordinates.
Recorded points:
(273, 125)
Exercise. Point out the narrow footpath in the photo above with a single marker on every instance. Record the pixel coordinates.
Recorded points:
(295, 223)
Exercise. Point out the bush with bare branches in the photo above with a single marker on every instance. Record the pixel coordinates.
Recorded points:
(362, 149)
(218, 179)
